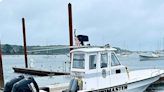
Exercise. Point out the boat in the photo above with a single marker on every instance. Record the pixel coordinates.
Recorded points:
(99, 69)
(123, 55)
(152, 57)
(118, 54)
(159, 52)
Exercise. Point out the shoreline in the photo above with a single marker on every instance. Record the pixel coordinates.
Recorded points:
(36, 54)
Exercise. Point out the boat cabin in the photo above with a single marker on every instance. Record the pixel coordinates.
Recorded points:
(97, 67)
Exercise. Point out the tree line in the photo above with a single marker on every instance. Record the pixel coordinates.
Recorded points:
(9, 49)
(18, 49)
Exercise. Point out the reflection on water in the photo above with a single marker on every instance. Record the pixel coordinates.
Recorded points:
(155, 88)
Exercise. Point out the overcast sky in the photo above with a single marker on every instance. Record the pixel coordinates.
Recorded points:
(121, 23)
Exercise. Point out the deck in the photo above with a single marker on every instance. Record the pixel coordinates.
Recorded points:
(39, 72)
(58, 87)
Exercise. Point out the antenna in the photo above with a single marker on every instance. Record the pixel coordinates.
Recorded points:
(103, 37)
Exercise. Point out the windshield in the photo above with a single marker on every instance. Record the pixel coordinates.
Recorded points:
(114, 60)
(78, 61)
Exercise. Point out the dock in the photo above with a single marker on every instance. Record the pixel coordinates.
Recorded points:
(38, 72)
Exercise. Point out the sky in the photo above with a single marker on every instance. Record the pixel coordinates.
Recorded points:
(120, 23)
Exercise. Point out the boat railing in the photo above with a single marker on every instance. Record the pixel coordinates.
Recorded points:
(158, 72)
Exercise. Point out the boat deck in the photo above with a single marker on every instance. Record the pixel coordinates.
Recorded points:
(58, 87)
(39, 72)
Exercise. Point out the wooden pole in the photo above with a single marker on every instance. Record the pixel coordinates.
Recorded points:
(70, 25)
(24, 39)
(1, 69)
(70, 28)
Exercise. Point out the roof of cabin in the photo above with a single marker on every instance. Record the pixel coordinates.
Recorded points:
(92, 49)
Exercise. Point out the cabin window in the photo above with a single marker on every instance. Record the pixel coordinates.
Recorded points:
(92, 62)
(104, 60)
(114, 60)
(78, 61)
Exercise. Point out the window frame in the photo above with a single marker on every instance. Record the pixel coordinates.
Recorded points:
(104, 53)
(116, 58)
(89, 61)
(73, 60)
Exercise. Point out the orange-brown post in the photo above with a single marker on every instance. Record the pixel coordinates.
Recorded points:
(70, 25)
(24, 39)
(1, 69)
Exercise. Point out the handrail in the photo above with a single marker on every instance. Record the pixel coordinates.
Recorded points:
(156, 71)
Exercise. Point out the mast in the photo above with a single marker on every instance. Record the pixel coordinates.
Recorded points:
(124, 47)
(47, 45)
(163, 43)
(158, 45)
(140, 46)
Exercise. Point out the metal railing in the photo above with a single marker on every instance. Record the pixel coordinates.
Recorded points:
(158, 72)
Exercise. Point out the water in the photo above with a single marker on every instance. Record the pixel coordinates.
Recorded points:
(133, 63)
(42, 62)
(57, 63)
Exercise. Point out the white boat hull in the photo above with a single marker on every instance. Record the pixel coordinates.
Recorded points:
(122, 56)
(139, 89)
(140, 86)
(142, 57)
(135, 84)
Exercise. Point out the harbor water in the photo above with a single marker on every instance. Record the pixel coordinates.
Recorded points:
(42, 62)
(60, 63)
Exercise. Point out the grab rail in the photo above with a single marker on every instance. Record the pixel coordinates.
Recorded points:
(157, 73)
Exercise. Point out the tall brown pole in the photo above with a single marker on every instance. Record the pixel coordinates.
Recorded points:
(1, 69)
(70, 30)
(70, 25)
(24, 39)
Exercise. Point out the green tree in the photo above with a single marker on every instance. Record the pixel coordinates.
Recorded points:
(7, 48)
(21, 50)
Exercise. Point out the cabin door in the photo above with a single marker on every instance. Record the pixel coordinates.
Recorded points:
(103, 69)
(92, 80)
